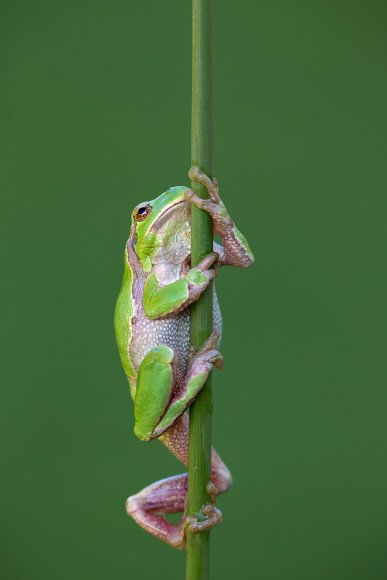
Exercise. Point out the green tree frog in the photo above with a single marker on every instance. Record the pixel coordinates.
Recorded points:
(152, 326)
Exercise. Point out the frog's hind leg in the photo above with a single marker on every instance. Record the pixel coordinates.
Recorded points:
(176, 439)
(166, 496)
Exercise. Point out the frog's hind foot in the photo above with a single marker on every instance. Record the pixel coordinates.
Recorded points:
(209, 516)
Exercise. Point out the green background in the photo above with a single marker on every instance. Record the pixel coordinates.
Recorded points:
(95, 117)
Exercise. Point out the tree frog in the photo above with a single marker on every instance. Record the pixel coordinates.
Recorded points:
(152, 326)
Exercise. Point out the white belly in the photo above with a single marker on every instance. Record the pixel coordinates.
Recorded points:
(173, 331)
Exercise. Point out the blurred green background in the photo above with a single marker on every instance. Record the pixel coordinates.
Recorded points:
(95, 117)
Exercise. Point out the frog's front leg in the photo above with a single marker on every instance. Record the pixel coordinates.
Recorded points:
(163, 300)
(160, 398)
(236, 250)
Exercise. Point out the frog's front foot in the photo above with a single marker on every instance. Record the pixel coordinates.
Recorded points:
(214, 206)
(208, 517)
(196, 174)
(201, 275)
(235, 250)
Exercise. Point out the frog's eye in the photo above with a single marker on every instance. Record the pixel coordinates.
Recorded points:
(141, 212)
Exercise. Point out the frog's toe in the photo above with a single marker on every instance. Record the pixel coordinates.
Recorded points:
(208, 261)
(204, 361)
(196, 174)
(222, 221)
(207, 518)
(211, 342)
(205, 204)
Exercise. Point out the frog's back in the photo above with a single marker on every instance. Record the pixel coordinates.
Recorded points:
(123, 315)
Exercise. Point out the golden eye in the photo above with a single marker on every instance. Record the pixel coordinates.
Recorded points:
(141, 212)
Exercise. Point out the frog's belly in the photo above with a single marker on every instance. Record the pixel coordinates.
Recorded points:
(173, 332)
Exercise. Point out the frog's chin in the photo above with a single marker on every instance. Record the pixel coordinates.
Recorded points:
(167, 272)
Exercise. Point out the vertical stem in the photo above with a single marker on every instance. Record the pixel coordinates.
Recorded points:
(202, 311)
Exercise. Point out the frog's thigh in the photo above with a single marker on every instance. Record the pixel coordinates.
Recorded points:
(155, 379)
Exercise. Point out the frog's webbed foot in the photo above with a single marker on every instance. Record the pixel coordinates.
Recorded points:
(201, 275)
(236, 250)
(209, 516)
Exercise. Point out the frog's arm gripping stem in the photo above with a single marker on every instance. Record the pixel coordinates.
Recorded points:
(160, 301)
(236, 250)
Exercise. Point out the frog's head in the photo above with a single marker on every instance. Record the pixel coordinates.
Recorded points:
(161, 229)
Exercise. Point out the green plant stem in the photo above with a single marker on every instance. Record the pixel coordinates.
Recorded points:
(202, 311)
